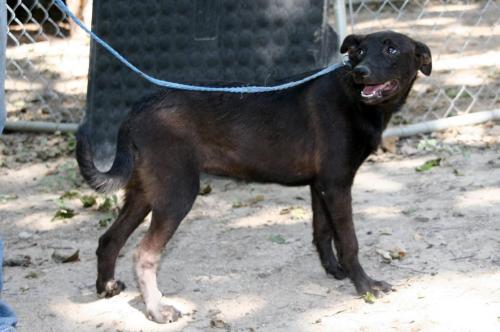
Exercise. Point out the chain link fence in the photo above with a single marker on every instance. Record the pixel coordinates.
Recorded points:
(464, 37)
(47, 65)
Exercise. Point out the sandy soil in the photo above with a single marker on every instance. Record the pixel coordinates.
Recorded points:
(243, 259)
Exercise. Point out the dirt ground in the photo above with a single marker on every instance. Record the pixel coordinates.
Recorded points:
(243, 259)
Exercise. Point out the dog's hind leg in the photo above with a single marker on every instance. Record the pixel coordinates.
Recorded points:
(131, 215)
(323, 233)
(174, 192)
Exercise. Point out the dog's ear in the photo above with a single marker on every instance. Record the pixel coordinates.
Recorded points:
(350, 42)
(424, 58)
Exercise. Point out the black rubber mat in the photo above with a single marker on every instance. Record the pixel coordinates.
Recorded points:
(253, 42)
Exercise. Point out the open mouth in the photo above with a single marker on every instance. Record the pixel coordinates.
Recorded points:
(379, 92)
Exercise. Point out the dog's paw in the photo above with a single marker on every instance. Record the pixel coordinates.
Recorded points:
(110, 288)
(375, 287)
(164, 314)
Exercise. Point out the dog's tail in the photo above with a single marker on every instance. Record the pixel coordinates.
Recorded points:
(121, 170)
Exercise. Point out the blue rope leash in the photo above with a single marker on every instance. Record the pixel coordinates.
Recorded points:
(179, 86)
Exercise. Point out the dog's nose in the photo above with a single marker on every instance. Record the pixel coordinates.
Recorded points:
(361, 71)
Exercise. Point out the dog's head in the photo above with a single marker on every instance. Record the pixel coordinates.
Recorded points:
(385, 64)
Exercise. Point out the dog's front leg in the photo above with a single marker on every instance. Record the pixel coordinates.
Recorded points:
(323, 234)
(337, 199)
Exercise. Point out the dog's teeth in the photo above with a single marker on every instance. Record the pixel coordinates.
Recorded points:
(373, 94)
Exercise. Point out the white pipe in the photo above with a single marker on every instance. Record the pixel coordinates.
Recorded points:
(40, 126)
(341, 19)
(454, 121)
(403, 131)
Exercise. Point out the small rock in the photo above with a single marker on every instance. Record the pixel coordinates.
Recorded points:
(25, 235)
(217, 323)
(205, 190)
(494, 131)
(22, 260)
(422, 219)
(313, 289)
(408, 150)
(385, 231)
(389, 144)
(66, 256)
(397, 253)
(386, 255)
(409, 212)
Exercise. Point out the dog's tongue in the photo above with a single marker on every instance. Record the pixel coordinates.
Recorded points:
(370, 89)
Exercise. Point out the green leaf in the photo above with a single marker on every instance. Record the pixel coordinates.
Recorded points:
(31, 275)
(237, 205)
(427, 145)
(250, 202)
(108, 204)
(7, 197)
(106, 220)
(286, 210)
(278, 239)
(256, 199)
(88, 201)
(71, 143)
(298, 213)
(369, 298)
(205, 190)
(70, 195)
(65, 176)
(409, 211)
(428, 165)
(64, 213)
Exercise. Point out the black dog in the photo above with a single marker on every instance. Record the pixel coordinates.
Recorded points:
(316, 134)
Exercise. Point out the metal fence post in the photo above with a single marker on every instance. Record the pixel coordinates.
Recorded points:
(3, 46)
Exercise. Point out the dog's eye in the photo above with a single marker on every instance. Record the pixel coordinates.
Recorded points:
(360, 52)
(392, 50)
